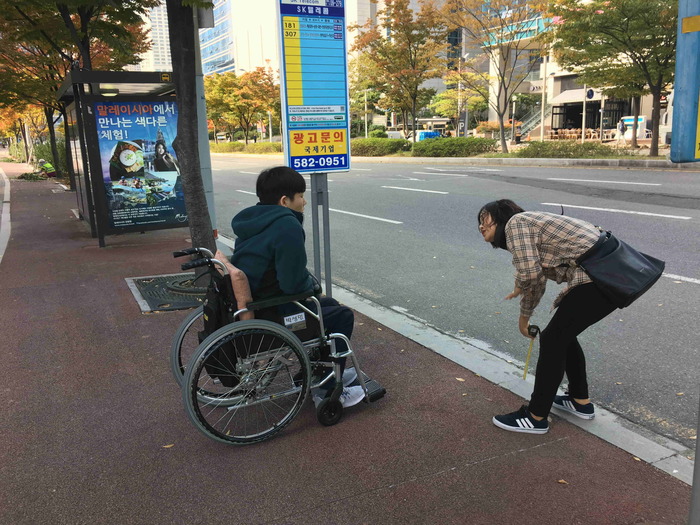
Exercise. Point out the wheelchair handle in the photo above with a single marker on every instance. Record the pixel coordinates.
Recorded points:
(196, 264)
(192, 251)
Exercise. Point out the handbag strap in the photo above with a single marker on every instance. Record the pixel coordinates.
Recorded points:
(604, 236)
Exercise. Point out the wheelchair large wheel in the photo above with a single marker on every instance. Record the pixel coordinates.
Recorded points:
(185, 343)
(246, 382)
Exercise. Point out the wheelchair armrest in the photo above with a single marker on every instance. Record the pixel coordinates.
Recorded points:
(278, 300)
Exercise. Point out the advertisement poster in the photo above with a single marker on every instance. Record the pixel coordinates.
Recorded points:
(140, 169)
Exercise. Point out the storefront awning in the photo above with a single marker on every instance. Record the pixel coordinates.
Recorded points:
(572, 96)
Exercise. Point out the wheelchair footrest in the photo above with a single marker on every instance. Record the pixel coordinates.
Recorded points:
(375, 391)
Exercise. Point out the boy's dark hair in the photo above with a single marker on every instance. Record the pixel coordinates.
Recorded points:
(500, 211)
(273, 183)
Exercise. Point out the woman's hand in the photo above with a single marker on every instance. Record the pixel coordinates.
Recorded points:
(523, 324)
(516, 292)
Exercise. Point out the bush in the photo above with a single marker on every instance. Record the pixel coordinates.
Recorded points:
(376, 147)
(16, 151)
(264, 147)
(378, 134)
(226, 147)
(566, 149)
(453, 147)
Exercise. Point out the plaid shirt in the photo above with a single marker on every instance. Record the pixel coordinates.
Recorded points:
(540, 242)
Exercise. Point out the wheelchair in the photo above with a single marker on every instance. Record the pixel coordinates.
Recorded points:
(246, 381)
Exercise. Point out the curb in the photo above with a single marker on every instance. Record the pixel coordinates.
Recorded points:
(474, 355)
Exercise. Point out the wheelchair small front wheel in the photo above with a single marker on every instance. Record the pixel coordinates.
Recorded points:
(329, 412)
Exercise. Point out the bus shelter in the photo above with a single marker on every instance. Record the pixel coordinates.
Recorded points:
(119, 132)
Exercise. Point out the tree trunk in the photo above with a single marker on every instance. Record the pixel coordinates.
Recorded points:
(48, 113)
(69, 154)
(502, 128)
(182, 48)
(655, 117)
(25, 139)
(635, 124)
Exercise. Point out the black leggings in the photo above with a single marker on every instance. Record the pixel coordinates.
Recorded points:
(560, 352)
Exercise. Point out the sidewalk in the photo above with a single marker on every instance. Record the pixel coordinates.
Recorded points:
(94, 430)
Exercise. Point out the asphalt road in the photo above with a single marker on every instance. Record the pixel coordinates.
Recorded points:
(420, 253)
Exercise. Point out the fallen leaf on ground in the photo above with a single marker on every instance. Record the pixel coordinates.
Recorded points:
(636, 458)
(459, 379)
(360, 324)
(169, 446)
(472, 267)
(379, 329)
(618, 383)
(660, 304)
(465, 394)
(678, 282)
(563, 482)
(680, 394)
(461, 331)
(694, 437)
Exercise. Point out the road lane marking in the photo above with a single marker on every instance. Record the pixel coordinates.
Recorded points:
(471, 168)
(226, 241)
(681, 278)
(612, 210)
(443, 174)
(250, 172)
(416, 189)
(366, 216)
(608, 181)
(247, 192)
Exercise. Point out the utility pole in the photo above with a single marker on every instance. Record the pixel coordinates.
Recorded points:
(545, 58)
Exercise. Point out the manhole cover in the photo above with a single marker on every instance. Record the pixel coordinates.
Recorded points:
(158, 293)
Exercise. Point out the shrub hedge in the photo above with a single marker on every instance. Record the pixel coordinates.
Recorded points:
(226, 147)
(264, 147)
(453, 147)
(566, 149)
(375, 147)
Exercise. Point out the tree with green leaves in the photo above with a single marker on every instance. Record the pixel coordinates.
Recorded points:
(256, 95)
(407, 49)
(453, 101)
(41, 41)
(365, 89)
(613, 36)
(502, 30)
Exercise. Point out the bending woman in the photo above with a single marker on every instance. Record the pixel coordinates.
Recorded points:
(543, 245)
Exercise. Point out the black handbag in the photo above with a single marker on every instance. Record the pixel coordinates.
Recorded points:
(619, 271)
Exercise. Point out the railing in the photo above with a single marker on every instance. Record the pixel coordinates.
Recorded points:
(529, 122)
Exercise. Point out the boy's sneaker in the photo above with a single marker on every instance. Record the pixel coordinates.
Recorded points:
(521, 421)
(349, 376)
(351, 396)
(567, 403)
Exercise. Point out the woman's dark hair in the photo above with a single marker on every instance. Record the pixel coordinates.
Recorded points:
(500, 211)
(273, 183)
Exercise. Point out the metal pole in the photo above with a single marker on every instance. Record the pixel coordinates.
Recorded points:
(544, 95)
(326, 237)
(695, 496)
(315, 194)
(602, 110)
(583, 125)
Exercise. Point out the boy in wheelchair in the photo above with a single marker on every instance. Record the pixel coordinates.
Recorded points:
(270, 251)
